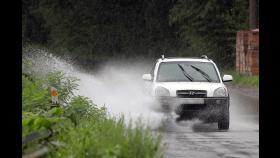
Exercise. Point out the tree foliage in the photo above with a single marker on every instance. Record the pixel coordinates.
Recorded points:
(209, 27)
(100, 29)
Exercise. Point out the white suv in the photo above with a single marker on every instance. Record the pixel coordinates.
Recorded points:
(192, 87)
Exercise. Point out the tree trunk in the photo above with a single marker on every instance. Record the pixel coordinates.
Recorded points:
(253, 14)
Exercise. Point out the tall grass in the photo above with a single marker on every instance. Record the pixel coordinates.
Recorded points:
(108, 138)
(243, 80)
(84, 129)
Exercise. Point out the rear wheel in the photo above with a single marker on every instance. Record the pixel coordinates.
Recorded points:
(223, 123)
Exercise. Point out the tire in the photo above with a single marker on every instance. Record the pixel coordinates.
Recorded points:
(223, 123)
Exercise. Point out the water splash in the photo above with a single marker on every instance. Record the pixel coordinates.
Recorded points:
(117, 86)
(120, 88)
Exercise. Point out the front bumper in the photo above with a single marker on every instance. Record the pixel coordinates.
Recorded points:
(203, 108)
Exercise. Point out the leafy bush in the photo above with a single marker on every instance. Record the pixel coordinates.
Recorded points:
(82, 108)
(35, 122)
(64, 85)
(36, 91)
(85, 129)
(51, 121)
(34, 96)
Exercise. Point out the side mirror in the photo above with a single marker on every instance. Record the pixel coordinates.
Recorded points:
(147, 77)
(227, 78)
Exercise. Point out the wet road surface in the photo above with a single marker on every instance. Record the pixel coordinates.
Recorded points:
(194, 139)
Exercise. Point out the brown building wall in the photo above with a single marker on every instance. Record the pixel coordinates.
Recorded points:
(247, 52)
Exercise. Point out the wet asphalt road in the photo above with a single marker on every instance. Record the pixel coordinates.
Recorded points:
(194, 139)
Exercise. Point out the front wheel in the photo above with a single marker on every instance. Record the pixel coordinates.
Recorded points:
(223, 123)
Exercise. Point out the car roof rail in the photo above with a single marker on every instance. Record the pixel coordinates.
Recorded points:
(205, 57)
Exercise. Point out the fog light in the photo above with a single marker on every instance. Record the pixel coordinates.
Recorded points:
(179, 109)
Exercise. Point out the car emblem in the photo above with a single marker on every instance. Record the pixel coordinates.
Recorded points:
(192, 92)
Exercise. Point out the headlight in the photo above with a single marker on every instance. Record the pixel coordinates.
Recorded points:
(160, 91)
(220, 92)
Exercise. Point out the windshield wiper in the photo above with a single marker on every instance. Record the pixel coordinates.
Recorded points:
(185, 73)
(205, 75)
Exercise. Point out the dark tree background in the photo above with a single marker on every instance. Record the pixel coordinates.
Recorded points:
(97, 30)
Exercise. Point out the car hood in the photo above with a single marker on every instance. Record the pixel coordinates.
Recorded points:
(210, 87)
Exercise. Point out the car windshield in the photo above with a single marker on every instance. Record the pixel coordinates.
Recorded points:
(187, 71)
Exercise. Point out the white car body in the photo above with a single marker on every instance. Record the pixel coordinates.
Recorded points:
(215, 90)
(173, 86)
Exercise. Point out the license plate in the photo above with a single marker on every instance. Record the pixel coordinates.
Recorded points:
(191, 101)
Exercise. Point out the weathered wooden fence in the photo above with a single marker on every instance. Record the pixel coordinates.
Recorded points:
(247, 52)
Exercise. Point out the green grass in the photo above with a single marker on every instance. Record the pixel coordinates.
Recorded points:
(243, 80)
(108, 138)
(85, 129)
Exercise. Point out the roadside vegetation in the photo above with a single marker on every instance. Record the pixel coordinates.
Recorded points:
(243, 80)
(77, 127)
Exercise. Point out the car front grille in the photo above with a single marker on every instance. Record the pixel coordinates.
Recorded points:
(191, 93)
